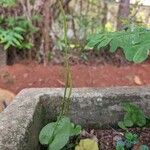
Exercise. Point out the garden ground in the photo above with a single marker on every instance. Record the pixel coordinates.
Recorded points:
(31, 74)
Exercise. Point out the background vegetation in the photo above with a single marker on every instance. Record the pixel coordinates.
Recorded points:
(33, 28)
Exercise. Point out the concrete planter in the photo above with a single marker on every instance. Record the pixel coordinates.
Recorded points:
(22, 121)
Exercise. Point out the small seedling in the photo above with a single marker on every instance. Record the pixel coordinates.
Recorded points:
(127, 142)
(133, 117)
(56, 134)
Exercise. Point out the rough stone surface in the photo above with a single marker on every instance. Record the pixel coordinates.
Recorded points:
(3, 56)
(22, 121)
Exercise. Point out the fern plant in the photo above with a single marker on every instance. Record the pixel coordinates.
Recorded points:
(14, 31)
(134, 41)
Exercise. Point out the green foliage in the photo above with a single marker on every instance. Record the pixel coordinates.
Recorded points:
(133, 116)
(128, 142)
(120, 147)
(7, 3)
(130, 139)
(13, 32)
(134, 41)
(20, 21)
(56, 134)
(13, 38)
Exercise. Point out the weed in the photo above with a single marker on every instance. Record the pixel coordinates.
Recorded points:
(133, 117)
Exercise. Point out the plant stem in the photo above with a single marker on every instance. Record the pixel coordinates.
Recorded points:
(68, 79)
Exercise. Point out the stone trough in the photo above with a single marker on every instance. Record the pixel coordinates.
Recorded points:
(22, 120)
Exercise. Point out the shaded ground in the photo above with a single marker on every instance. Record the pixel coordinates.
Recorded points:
(25, 75)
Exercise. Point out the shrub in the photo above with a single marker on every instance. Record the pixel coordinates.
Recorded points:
(13, 32)
(134, 41)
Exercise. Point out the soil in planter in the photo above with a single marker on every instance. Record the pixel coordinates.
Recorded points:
(106, 137)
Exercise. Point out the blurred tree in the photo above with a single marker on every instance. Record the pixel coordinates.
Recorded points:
(56, 10)
(123, 12)
(104, 14)
(46, 30)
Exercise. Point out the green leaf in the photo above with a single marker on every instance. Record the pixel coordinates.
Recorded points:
(127, 107)
(75, 130)
(56, 134)
(94, 40)
(141, 55)
(61, 123)
(16, 42)
(19, 29)
(128, 120)
(47, 133)
(131, 137)
(6, 46)
(26, 45)
(18, 36)
(120, 144)
(61, 137)
(113, 45)
(120, 147)
(87, 144)
(121, 125)
(104, 43)
(134, 117)
(141, 120)
(130, 52)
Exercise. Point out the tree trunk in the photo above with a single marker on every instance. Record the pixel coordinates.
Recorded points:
(55, 8)
(123, 12)
(46, 30)
(104, 14)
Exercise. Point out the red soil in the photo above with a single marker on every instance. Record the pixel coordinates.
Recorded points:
(19, 76)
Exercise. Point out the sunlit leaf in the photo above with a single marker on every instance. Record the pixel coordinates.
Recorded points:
(87, 144)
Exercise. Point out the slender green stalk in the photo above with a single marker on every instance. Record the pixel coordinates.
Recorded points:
(68, 79)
